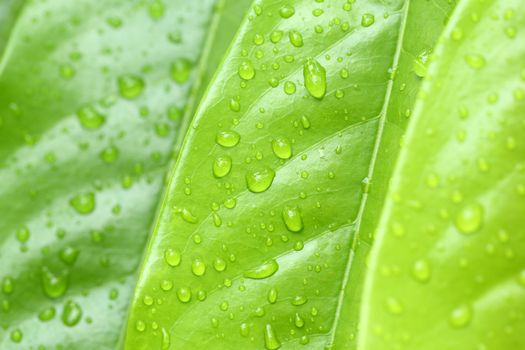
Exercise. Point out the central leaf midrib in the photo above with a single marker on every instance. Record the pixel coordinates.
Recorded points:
(373, 159)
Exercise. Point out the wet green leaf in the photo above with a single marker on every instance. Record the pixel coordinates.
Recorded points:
(92, 98)
(447, 268)
(287, 157)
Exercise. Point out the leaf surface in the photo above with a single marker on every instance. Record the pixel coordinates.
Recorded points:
(253, 244)
(447, 265)
(92, 95)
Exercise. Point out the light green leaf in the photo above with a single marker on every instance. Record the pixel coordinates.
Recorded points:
(92, 95)
(253, 245)
(447, 269)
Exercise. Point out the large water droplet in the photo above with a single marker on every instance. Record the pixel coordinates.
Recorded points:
(461, 316)
(421, 270)
(270, 339)
(299, 322)
(165, 344)
(69, 255)
(83, 203)
(55, 285)
(222, 166)
(71, 314)
(260, 180)
(286, 11)
(90, 118)
(292, 219)
(198, 267)
(227, 139)
(282, 147)
(263, 271)
(296, 39)
(184, 294)
(246, 70)
(180, 70)
(314, 78)
(470, 218)
(130, 86)
(172, 257)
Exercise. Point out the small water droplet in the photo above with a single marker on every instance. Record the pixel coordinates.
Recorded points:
(367, 20)
(299, 300)
(165, 344)
(219, 264)
(55, 285)
(421, 270)
(47, 314)
(181, 70)
(184, 294)
(296, 38)
(475, 61)
(69, 255)
(272, 296)
(90, 118)
(299, 322)
(461, 316)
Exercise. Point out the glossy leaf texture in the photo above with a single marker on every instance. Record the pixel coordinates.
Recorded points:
(447, 265)
(253, 244)
(92, 95)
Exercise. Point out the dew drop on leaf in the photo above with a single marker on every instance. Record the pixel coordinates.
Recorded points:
(90, 118)
(470, 218)
(296, 39)
(54, 285)
(130, 86)
(461, 316)
(180, 70)
(184, 294)
(222, 166)
(282, 147)
(172, 257)
(367, 20)
(246, 70)
(475, 61)
(270, 338)
(259, 181)
(71, 313)
(198, 267)
(292, 218)
(83, 203)
(314, 78)
(263, 271)
(227, 139)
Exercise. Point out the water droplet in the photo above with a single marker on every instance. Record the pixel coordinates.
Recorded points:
(47, 314)
(272, 296)
(305, 122)
(475, 61)
(282, 147)
(314, 78)
(165, 344)
(140, 326)
(130, 86)
(259, 180)
(421, 63)
(188, 216)
(286, 11)
(228, 139)
(276, 36)
(367, 20)
(270, 339)
(289, 88)
(7, 285)
(16, 336)
(83, 203)
(296, 39)
(263, 271)
(198, 267)
(222, 166)
(23, 234)
(184, 294)
(90, 118)
(299, 322)
(109, 154)
(292, 219)
(166, 285)
(69, 255)
(55, 285)
(461, 316)
(181, 70)
(156, 9)
(246, 70)
(219, 264)
(71, 313)
(470, 218)
(172, 257)
(421, 270)
(299, 300)
(394, 306)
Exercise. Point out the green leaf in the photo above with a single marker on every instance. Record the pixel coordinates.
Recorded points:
(92, 97)
(447, 267)
(253, 245)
